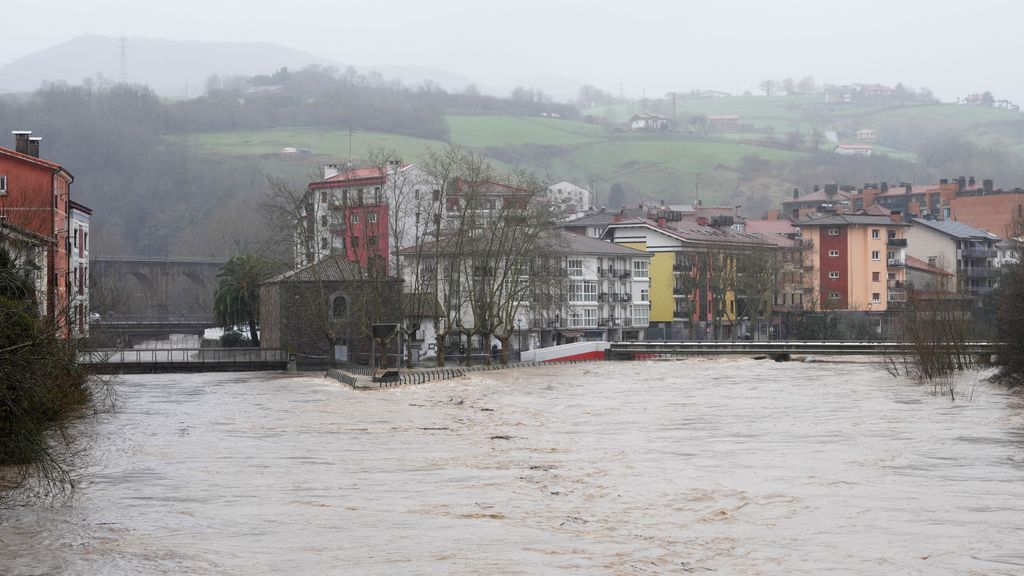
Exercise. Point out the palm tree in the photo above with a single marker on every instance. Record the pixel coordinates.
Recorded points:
(237, 297)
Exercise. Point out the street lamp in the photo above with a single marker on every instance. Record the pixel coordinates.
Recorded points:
(519, 328)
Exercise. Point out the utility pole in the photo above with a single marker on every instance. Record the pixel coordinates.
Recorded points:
(123, 48)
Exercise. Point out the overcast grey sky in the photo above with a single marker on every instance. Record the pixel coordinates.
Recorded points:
(952, 47)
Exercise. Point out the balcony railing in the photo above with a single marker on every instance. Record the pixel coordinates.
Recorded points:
(981, 272)
(897, 296)
(897, 242)
(896, 262)
(980, 253)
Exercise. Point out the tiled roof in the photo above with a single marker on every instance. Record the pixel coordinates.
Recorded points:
(919, 264)
(332, 268)
(820, 196)
(356, 174)
(848, 220)
(31, 159)
(770, 227)
(578, 244)
(956, 229)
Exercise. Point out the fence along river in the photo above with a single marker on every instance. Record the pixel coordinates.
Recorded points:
(735, 466)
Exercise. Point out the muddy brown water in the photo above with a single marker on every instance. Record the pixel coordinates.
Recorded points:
(698, 466)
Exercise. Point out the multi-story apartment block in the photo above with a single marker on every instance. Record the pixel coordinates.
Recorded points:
(79, 269)
(693, 273)
(35, 196)
(968, 253)
(854, 262)
(580, 289)
(608, 296)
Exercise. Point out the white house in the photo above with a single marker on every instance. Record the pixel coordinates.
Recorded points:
(569, 199)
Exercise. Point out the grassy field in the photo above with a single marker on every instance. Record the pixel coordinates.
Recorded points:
(326, 143)
(503, 131)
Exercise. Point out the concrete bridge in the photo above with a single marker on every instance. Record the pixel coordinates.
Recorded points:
(779, 350)
(152, 287)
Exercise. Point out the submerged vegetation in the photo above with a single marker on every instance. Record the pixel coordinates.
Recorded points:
(42, 388)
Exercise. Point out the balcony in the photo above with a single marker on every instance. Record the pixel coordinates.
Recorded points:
(896, 263)
(897, 296)
(897, 242)
(982, 272)
(980, 253)
(625, 297)
(895, 284)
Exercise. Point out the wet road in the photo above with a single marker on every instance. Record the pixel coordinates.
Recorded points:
(735, 467)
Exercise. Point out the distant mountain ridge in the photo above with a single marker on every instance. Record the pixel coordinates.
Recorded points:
(174, 68)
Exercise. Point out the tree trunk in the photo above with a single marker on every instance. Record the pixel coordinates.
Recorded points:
(253, 334)
(439, 342)
(504, 348)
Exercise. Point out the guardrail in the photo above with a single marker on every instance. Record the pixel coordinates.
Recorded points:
(778, 348)
(184, 359)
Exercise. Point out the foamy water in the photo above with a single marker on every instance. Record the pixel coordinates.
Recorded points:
(735, 467)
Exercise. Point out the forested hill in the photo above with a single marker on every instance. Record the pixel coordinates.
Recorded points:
(186, 177)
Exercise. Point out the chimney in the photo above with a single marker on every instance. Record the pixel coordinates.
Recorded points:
(885, 187)
(986, 186)
(971, 182)
(21, 140)
(961, 183)
(33, 146)
(943, 182)
(908, 188)
(896, 216)
(796, 193)
(817, 188)
(702, 221)
(661, 221)
(330, 171)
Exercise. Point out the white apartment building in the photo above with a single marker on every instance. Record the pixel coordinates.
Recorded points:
(78, 270)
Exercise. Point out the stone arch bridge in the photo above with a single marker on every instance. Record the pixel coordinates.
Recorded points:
(158, 290)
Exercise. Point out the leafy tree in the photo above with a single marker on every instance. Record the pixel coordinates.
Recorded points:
(616, 196)
(1009, 304)
(237, 297)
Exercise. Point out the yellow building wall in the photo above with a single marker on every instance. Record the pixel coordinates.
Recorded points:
(663, 304)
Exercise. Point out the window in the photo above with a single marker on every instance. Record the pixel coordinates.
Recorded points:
(892, 234)
(371, 217)
(583, 291)
(833, 231)
(590, 316)
(74, 235)
(645, 295)
(371, 242)
(323, 243)
(85, 241)
(339, 307)
(323, 220)
(876, 276)
(575, 266)
(875, 234)
(876, 255)
(641, 268)
(833, 275)
(876, 297)
(833, 253)
(3, 185)
(641, 316)
(833, 296)
(355, 218)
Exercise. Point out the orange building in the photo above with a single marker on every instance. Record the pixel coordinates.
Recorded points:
(35, 195)
(857, 262)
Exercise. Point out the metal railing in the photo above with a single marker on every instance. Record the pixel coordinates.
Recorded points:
(190, 356)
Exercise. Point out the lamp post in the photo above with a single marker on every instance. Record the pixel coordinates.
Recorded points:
(519, 328)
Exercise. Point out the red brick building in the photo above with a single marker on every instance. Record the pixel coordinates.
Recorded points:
(35, 195)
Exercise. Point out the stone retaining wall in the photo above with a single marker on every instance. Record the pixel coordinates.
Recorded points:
(361, 377)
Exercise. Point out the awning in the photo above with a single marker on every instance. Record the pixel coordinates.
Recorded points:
(572, 333)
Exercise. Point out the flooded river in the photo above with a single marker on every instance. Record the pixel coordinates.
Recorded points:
(724, 467)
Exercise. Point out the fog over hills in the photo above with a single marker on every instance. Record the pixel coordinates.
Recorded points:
(178, 69)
